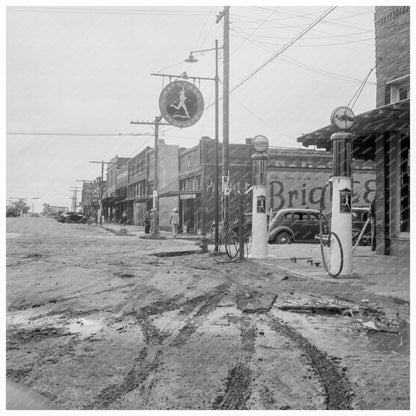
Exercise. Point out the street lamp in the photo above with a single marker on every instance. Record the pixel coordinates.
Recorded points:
(192, 59)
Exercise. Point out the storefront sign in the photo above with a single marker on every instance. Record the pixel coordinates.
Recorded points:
(181, 104)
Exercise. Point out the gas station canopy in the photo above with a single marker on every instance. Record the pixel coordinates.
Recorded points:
(392, 118)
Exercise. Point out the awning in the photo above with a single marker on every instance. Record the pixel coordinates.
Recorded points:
(393, 118)
(178, 193)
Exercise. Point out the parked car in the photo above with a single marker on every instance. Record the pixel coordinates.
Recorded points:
(296, 225)
(12, 212)
(71, 217)
(234, 226)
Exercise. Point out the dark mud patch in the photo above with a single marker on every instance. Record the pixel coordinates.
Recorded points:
(176, 253)
(161, 306)
(337, 388)
(18, 374)
(315, 309)
(24, 336)
(125, 275)
(389, 341)
(249, 301)
(399, 301)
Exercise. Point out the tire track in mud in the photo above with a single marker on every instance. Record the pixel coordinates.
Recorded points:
(133, 380)
(337, 387)
(237, 388)
(210, 302)
(144, 365)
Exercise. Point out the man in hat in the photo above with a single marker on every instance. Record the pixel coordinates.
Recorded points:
(174, 221)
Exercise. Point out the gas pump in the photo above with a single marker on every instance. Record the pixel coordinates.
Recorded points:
(259, 248)
(340, 235)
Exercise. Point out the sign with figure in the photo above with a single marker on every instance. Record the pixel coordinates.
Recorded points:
(181, 104)
(261, 203)
(345, 200)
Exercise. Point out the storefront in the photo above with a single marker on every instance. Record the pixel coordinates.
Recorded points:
(383, 136)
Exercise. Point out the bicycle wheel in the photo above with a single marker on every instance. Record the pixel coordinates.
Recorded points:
(332, 254)
(232, 245)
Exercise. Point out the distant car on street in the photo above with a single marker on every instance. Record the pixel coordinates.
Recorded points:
(12, 212)
(69, 217)
(296, 225)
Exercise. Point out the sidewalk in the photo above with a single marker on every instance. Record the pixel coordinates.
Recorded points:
(382, 275)
(187, 242)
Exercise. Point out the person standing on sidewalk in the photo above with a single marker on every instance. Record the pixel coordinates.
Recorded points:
(174, 221)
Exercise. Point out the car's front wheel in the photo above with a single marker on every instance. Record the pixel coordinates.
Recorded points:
(283, 238)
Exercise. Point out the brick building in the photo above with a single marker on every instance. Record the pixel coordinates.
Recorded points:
(138, 199)
(383, 134)
(294, 179)
(116, 188)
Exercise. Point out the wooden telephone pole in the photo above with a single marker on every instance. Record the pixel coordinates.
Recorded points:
(101, 188)
(156, 124)
(225, 14)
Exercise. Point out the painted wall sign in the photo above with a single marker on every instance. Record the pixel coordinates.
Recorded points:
(181, 104)
(303, 190)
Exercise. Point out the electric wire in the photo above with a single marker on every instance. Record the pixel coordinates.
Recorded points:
(287, 46)
(86, 10)
(312, 68)
(255, 30)
(79, 134)
(360, 90)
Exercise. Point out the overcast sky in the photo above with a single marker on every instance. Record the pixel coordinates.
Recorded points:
(79, 71)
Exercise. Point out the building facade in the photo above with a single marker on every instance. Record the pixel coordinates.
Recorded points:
(138, 198)
(116, 188)
(382, 135)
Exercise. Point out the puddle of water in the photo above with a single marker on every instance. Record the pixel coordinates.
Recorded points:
(12, 235)
(84, 327)
(386, 342)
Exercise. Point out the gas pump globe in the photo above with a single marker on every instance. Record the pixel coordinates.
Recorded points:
(341, 217)
(259, 248)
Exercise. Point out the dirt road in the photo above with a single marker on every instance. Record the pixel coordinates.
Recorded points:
(100, 321)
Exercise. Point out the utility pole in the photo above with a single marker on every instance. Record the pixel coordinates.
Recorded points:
(74, 198)
(225, 14)
(84, 181)
(156, 124)
(101, 188)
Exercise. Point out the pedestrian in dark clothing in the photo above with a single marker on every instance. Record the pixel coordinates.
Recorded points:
(147, 222)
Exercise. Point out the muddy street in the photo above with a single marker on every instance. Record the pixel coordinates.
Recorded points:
(97, 320)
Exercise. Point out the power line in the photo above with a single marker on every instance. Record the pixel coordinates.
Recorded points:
(260, 119)
(274, 56)
(144, 12)
(80, 134)
(255, 30)
(312, 68)
(312, 37)
(360, 90)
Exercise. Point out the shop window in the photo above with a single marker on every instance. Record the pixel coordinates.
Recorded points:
(405, 185)
(398, 90)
